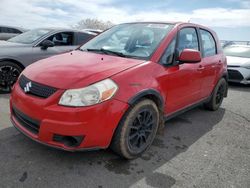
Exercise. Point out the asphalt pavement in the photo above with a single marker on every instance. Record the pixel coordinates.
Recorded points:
(196, 149)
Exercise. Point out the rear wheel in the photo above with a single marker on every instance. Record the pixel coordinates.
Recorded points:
(9, 73)
(137, 130)
(217, 96)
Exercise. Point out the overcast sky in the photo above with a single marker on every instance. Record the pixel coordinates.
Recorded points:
(230, 18)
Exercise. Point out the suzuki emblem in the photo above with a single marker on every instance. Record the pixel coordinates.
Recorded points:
(27, 87)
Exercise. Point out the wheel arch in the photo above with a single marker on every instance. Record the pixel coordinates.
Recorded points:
(151, 94)
(13, 61)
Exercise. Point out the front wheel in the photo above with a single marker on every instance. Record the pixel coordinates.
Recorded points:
(217, 96)
(137, 130)
(9, 73)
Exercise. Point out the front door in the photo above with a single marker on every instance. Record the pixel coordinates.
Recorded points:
(182, 82)
(63, 42)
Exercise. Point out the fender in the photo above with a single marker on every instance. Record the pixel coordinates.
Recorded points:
(148, 92)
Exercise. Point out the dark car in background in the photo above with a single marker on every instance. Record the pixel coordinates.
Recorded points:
(238, 63)
(7, 32)
(31, 46)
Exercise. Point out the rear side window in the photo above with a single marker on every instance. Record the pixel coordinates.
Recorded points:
(83, 37)
(187, 39)
(208, 43)
(4, 30)
(9, 30)
(16, 31)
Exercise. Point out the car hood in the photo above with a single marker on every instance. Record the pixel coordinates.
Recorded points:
(77, 69)
(237, 61)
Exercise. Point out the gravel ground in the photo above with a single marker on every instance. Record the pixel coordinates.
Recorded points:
(196, 149)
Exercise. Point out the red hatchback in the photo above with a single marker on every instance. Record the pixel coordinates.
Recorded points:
(117, 89)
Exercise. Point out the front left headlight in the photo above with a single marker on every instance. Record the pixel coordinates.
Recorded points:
(93, 94)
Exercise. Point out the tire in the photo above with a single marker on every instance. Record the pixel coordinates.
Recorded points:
(217, 96)
(137, 129)
(9, 73)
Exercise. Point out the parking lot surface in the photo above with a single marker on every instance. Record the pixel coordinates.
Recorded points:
(196, 149)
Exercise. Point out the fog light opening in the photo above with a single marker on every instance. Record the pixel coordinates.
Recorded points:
(70, 141)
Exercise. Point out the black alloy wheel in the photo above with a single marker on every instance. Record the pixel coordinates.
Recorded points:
(220, 94)
(137, 129)
(9, 73)
(217, 96)
(141, 130)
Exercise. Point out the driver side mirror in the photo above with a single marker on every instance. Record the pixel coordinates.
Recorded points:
(190, 56)
(46, 44)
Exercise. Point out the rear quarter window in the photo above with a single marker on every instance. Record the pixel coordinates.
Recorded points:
(83, 38)
(208, 43)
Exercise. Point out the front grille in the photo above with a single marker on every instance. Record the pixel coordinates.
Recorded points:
(26, 122)
(235, 75)
(33, 88)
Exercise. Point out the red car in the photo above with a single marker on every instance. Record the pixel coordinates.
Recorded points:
(117, 89)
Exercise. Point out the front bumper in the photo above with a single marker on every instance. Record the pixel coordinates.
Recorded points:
(239, 75)
(44, 121)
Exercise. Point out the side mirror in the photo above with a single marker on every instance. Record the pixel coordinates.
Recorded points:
(190, 56)
(46, 44)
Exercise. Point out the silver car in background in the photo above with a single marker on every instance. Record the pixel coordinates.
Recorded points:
(238, 63)
(33, 45)
(7, 32)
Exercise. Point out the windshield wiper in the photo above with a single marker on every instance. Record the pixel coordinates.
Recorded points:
(105, 51)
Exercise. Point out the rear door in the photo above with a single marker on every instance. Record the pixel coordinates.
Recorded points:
(64, 42)
(181, 82)
(211, 62)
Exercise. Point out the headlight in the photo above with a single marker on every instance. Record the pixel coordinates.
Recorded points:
(93, 94)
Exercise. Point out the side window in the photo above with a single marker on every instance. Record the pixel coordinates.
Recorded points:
(169, 54)
(10, 30)
(187, 39)
(208, 43)
(83, 38)
(62, 39)
(1, 30)
(4, 30)
(16, 31)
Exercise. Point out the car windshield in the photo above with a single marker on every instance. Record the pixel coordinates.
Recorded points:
(237, 51)
(30, 36)
(135, 40)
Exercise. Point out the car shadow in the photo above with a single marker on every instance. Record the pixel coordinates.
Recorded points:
(28, 161)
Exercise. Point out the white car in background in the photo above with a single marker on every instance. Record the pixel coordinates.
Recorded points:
(238, 63)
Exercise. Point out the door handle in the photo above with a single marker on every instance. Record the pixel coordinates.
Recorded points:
(200, 68)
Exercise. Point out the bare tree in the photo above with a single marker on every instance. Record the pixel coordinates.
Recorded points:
(93, 24)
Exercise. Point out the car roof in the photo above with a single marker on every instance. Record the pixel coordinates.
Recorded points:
(57, 29)
(178, 23)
